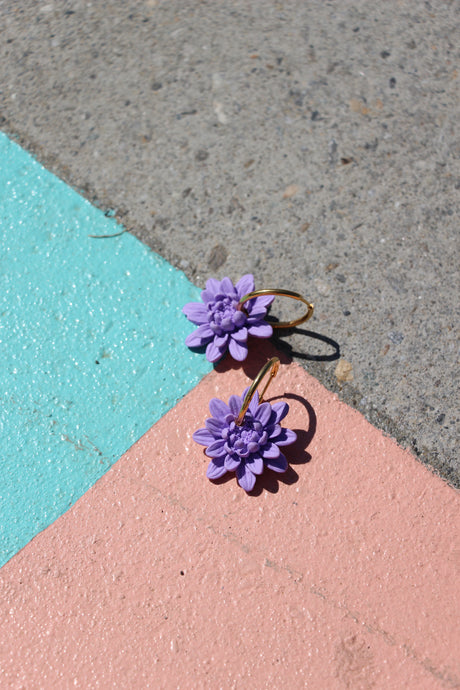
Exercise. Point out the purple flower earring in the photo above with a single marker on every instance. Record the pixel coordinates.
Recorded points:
(230, 313)
(245, 436)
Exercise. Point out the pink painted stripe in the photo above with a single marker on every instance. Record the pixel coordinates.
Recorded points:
(343, 574)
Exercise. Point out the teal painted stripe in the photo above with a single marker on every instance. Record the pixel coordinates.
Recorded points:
(91, 345)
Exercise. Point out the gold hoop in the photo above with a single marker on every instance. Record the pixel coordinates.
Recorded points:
(271, 366)
(280, 293)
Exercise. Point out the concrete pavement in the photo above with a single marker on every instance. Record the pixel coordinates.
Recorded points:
(314, 145)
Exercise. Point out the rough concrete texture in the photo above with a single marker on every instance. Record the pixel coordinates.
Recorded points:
(343, 573)
(313, 144)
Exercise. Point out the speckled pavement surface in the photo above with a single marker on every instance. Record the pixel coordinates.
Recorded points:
(313, 144)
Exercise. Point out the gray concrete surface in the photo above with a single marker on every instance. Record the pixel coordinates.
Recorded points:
(314, 144)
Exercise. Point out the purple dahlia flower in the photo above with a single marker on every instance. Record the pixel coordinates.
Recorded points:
(221, 326)
(248, 448)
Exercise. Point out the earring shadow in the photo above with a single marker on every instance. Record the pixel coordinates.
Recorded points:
(296, 453)
(285, 346)
(261, 349)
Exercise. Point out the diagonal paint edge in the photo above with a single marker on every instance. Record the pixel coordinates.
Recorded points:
(91, 342)
(348, 563)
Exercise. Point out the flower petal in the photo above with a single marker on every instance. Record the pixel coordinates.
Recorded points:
(238, 351)
(255, 464)
(234, 404)
(286, 437)
(201, 336)
(221, 341)
(216, 449)
(261, 330)
(213, 353)
(227, 286)
(241, 335)
(216, 469)
(273, 430)
(278, 464)
(261, 302)
(213, 286)
(263, 413)
(246, 479)
(280, 409)
(231, 462)
(269, 451)
(245, 285)
(215, 426)
(256, 315)
(208, 296)
(239, 318)
(218, 408)
(203, 437)
(196, 312)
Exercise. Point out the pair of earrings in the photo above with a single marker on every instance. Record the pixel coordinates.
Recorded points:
(245, 435)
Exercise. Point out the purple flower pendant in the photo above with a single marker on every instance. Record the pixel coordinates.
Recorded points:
(248, 448)
(221, 325)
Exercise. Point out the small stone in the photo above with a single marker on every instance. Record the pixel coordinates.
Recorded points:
(355, 105)
(331, 267)
(385, 54)
(332, 147)
(217, 81)
(219, 111)
(343, 371)
(290, 191)
(234, 205)
(358, 106)
(217, 257)
(371, 145)
(201, 155)
(440, 418)
(396, 337)
(322, 288)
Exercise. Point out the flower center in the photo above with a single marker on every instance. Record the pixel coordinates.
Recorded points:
(246, 439)
(223, 315)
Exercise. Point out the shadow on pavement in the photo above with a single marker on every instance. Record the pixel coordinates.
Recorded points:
(287, 347)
